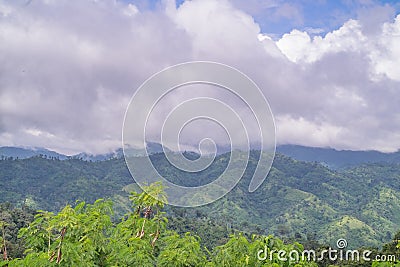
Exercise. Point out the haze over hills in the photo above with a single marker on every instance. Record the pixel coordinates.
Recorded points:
(27, 152)
(332, 158)
(337, 158)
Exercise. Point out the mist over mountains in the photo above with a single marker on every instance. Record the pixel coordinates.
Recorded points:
(335, 159)
(332, 158)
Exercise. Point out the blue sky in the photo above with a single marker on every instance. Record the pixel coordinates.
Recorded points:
(277, 17)
(324, 15)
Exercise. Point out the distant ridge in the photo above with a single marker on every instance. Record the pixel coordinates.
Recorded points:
(335, 159)
(90, 157)
(332, 158)
(23, 153)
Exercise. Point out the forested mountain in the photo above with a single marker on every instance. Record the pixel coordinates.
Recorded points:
(301, 199)
(332, 158)
(26, 152)
(337, 158)
(23, 153)
(50, 184)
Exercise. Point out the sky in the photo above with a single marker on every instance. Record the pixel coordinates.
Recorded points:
(329, 69)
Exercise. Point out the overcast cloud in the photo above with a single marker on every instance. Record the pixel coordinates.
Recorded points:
(69, 68)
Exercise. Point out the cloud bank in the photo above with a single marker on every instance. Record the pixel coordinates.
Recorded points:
(69, 68)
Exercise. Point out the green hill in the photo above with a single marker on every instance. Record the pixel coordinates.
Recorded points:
(298, 199)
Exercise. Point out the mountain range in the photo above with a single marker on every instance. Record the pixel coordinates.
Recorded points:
(335, 159)
(303, 199)
(331, 158)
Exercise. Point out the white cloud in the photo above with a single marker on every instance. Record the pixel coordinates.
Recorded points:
(69, 69)
(356, 79)
(387, 55)
(304, 132)
(298, 46)
(218, 30)
(381, 48)
(131, 10)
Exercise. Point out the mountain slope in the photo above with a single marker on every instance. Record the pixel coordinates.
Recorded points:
(337, 158)
(23, 153)
(329, 157)
(298, 198)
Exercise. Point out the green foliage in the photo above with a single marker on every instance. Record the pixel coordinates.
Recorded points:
(11, 220)
(361, 204)
(74, 236)
(212, 233)
(236, 252)
(85, 235)
(135, 237)
(180, 251)
(391, 249)
(260, 251)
